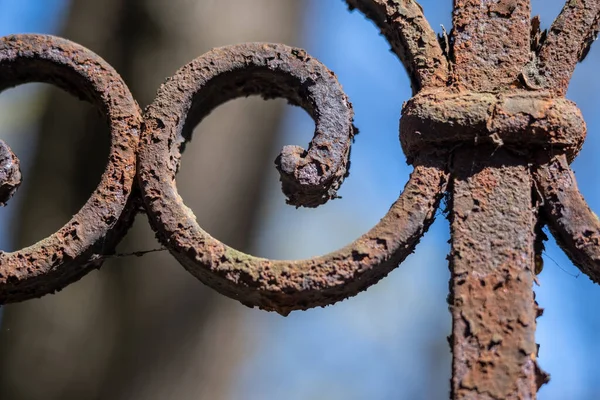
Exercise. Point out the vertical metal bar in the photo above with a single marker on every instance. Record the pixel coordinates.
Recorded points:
(493, 219)
(492, 263)
(491, 42)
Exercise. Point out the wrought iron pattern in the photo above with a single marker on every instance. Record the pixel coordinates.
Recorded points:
(488, 126)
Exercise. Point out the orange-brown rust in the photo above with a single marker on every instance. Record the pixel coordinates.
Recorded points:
(492, 213)
(494, 121)
(78, 246)
(309, 177)
(403, 24)
(492, 304)
(10, 173)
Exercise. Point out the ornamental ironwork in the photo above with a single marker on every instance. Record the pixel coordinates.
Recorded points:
(488, 126)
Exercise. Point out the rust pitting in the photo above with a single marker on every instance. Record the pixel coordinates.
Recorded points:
(489, 126)
(284, 286)
(491, 43)
(276, 285)
(521, 121)
(309, 177)
(492, 302)
(567, 43)
(405, 27)
(71, 252)
(486, 121)
(575, 227)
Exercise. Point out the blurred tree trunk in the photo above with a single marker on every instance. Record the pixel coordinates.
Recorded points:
(143, 328)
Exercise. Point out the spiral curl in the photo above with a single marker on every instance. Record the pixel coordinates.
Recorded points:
(273, 70)
(309, 177)
(72, 251)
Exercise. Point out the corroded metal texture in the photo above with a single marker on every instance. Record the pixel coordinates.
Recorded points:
(10, 173)
(491, 43)
(274, 71)
(68, 254)
(566, 43)
(309, 177)
(493, 217)
(575, 227)
(404, 26)
(492, 304)
(488, 119)
(522, 121)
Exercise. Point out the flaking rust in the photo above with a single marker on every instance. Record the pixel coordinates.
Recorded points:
(309, 178)
(488, 125)
(71, 252)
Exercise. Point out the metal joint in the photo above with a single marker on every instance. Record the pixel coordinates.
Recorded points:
(523, 121)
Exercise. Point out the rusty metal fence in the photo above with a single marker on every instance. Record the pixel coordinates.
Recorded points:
(488, 126)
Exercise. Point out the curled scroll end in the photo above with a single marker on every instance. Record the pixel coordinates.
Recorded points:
(412, 39)
(283, 285)
(10, 173)
(95, 230)
(310, 178)
(567, 42)
(302, 176)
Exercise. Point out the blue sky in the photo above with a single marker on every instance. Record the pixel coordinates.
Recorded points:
(388, 342)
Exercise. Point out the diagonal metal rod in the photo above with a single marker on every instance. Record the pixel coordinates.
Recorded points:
(492, 270)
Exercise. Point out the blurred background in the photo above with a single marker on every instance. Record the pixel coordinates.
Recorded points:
(143, 328)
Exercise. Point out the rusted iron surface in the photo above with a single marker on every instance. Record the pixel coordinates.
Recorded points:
(71, 252)
(488, 119)
(491, 262)
(274, 71)
(575, 227)
(492, 216)
(566, 43)
(10, 173)
(309, 177)
(491, 43)
(406, 29)
(522, 121)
